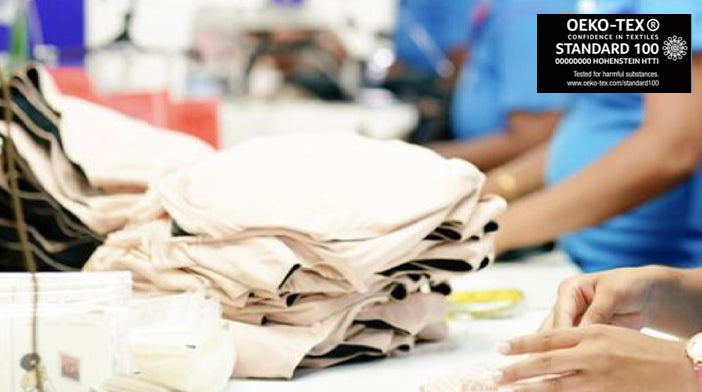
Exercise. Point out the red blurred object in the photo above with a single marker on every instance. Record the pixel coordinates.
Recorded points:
(146, 106)
(198, 118)
(74, 81)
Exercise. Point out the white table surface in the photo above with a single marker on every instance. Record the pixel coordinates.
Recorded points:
(469, 342)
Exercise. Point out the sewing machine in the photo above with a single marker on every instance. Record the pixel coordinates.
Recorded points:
(361, 27)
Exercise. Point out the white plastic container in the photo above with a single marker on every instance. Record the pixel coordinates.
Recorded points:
(180, 342)
(82, 330)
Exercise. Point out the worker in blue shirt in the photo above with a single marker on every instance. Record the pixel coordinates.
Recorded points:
(496, 113)
(623, 171)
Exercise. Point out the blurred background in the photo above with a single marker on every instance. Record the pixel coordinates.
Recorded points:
(227, 70)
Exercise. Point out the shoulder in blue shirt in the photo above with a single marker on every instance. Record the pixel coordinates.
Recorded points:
(500, 77)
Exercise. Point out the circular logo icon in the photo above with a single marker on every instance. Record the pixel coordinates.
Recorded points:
(654, 24)
(675, 48)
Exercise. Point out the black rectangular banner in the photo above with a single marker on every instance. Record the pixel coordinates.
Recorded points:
(614, 53)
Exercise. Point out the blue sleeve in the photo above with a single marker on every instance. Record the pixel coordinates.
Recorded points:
(403, 43)
(456, 23)
(445, 21)
(693, 7)
(516, 58)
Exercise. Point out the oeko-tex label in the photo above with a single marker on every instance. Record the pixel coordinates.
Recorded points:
(614, 53)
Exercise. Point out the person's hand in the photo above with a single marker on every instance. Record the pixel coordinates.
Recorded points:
(596, 358)
(624, 297)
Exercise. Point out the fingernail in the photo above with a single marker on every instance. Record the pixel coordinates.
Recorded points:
(498, 376)
(505, 389)
(504, 348)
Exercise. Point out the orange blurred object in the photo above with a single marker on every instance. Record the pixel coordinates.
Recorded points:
(198, 118)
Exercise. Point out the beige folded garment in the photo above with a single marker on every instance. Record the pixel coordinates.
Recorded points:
(100, 212)
(116, 151)
(117, 154)
(274, 351)
(310, 309)
(412, 315)
(40, 162)
(324, 187)
(417, 320)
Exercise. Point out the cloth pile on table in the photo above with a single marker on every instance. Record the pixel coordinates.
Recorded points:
(321, 249)
(83, 171)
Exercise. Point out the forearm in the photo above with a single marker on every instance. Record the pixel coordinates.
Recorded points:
(525, 130)
(526, 173)
(676, 306)
(486, 153)
(632, 173)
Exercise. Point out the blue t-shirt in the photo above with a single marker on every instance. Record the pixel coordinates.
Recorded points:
(500, 77)
(667, 230)
(445, 22)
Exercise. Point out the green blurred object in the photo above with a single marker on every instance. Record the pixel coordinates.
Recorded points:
(19, 39)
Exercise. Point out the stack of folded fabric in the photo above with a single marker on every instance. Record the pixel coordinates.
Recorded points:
(83, 171)
(321, 249)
